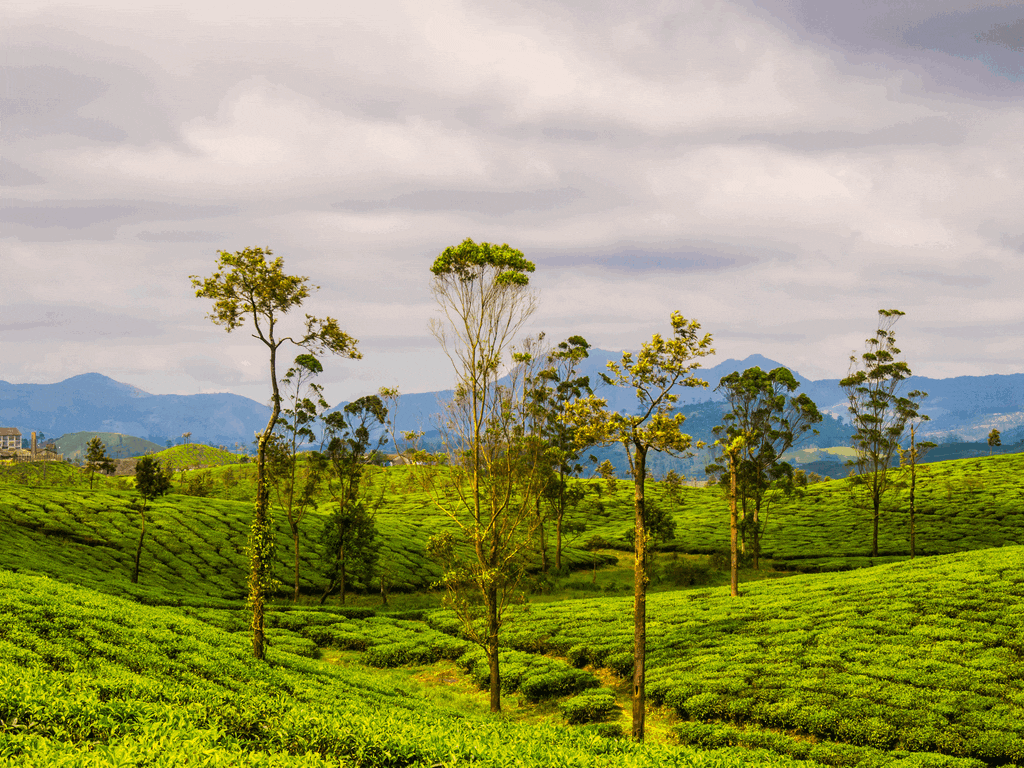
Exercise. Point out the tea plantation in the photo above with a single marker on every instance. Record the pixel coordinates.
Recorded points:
(914, 663)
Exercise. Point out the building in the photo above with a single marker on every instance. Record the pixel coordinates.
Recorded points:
(10, 439)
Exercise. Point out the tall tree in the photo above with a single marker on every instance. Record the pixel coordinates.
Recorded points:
(296, 482)
(661, 367)
(151, 481)
(880, 415)
(489, 486)
(96, 459)
(764, 412)
(353, 435)
(246, 286)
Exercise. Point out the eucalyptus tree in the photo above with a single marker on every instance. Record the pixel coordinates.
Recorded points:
(770, 420)
(246, 286)
(488, 487)
(878, 411)
(655, 374)
(909, 459)
(296, 482)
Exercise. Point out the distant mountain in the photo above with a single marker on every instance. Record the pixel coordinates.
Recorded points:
(95, 403)
(962, 409)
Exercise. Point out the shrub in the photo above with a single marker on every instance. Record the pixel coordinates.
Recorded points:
(589, 707)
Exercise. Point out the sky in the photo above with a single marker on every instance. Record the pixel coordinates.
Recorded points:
(778, 170)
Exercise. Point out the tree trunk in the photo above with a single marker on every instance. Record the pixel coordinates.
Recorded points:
(874, 536)
(261, 544)
(734, 562)
(138, 549)
(639, 597)
(757, 535)
(558, 523)
(342, 578)
(492, 647)
(295, 536)
(541, 539)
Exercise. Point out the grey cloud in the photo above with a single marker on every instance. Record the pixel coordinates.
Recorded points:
(649, 261)
(929, 130)
(571, 134)
(13, 175)
(1007, 35)
(44, 100)
(55, 220)
(67, 216)
(34, 324)
(991, 35)
(495, 203)
(177, 237)
(958, 46)
(974, 280)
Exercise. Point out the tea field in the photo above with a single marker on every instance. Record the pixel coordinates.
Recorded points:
(93, 680)
(913, 663)
(193, 551)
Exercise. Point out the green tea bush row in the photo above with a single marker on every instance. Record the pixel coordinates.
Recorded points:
(713, 736)
(91, 680)
(537, 677)
(592, 706)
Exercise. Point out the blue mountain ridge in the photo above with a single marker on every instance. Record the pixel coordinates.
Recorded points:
(967, 406)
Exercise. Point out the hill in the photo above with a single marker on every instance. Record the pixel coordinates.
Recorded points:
(74, 446)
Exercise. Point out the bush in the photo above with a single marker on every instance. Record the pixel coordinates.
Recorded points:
(589, 707)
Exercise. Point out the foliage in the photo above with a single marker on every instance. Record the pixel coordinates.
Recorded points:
(659, 368)
(151, 482)
(296, 483)
(994, 440)
(96, 459)
(770, 420)
(349, 543)
(247, 286)
(484, 294)
(549, 390)
(877, 410)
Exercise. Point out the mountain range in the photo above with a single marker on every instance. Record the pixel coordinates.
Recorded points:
(965, 408)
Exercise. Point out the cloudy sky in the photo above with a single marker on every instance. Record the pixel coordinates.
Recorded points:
(777, 169)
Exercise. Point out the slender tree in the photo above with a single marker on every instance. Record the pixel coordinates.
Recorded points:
(96, 459)
(764, 412)
(489, 486)
(880, 415)
(353, 435)
(296, 482)
(909, 459)
(247, 286)
(151, 482)
(655, 374)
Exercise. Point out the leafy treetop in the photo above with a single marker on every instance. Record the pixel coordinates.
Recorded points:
(247, 284)
(468, 260)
